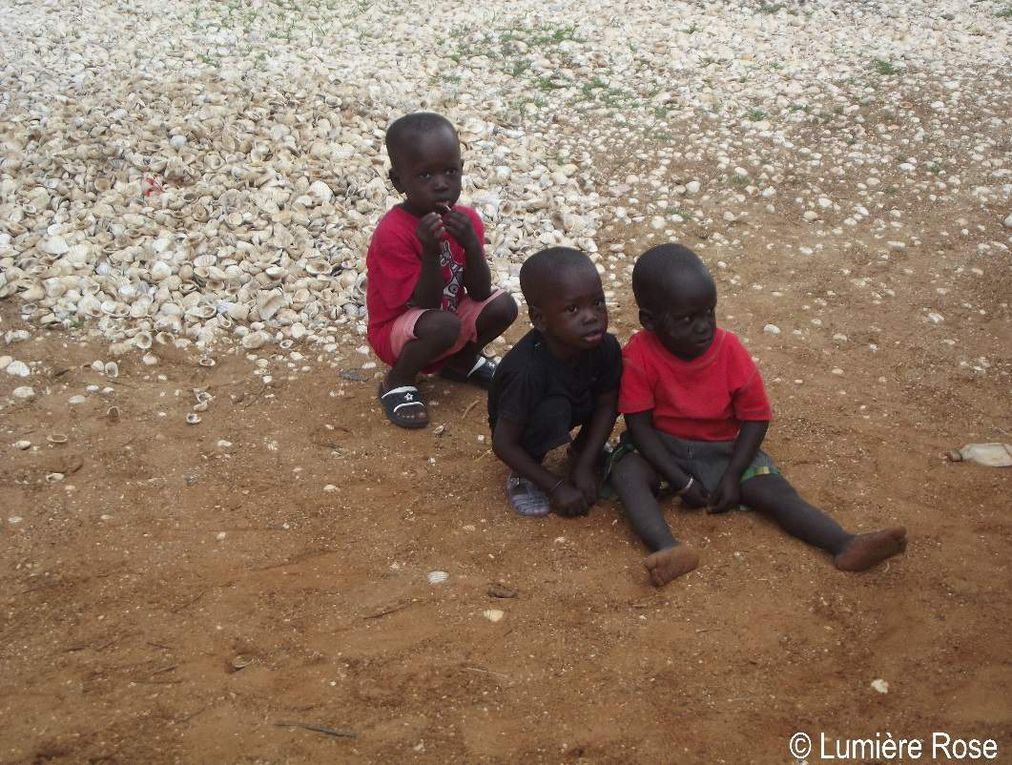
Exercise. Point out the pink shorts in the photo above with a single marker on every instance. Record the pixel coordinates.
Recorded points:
(402, 329)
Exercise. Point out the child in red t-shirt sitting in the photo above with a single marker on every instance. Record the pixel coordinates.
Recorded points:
(696, 414)
(429, 296)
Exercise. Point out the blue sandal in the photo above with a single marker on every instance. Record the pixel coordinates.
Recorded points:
(406, 397)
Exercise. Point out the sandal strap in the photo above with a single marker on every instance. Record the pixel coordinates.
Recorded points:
(401, 390)
(482, 361)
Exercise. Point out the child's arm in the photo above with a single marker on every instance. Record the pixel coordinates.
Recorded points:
(567, 499)
(728, 492)
(428, 291)
(598, 429)
(477, 275)
(652, 449)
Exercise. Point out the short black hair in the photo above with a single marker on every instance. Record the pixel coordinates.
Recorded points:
(663, 272)
(402, 128)
(544, 269)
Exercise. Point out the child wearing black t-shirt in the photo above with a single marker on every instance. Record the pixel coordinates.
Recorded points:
(562, 374)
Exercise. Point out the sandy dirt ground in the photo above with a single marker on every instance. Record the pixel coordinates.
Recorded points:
(190, 593)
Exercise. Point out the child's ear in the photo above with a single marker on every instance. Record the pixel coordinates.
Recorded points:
(647, 319)
(536, 317)
(395, 179)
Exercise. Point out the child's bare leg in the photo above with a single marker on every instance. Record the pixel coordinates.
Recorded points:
(492, 322)
(774, 496)
(636, 482)
(435, 333)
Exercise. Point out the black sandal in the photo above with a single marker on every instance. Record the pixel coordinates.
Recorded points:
(397, 399)
(481, 373)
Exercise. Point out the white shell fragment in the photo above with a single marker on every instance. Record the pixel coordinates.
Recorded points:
(493, 614)
(23, 445)
(23, 392)
(192, 419)
(880, 685)
(18, 369)
(437, 577)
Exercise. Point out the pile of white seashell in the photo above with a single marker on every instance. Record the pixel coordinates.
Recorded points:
(223, 235)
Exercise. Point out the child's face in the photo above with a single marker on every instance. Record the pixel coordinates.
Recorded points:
(574, 316)
(428, 171)
(687, 324)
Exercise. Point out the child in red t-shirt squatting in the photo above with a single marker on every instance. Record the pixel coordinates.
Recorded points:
(696, 414)
(429, 295)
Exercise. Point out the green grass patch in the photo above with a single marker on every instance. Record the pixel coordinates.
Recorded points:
(884, 67)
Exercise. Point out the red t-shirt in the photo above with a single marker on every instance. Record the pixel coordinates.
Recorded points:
(705, 399)
(394, 263)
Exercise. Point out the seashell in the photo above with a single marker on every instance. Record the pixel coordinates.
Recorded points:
(206, 361)
(270, 303)
(149, 359)
(493, 614)
(255, 340)
(437, 577)
(159, 271)
(286, 344)
(239, 311)
(111, 369)
(201, 311)
(275, 272)
(18, 369)
(142, 340)
(57, 439)
(54, 477)
(33, 294)
(139, 309)
(201, 407)
(112, 413)
(192, 418)
(321, 190)
(22, 445)
(55, 245)
(318, 267)
(163, 338)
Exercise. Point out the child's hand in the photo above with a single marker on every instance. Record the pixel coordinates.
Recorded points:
(430, 231)
(461, 229)
(568, 501)
(585, 480)
(727, 496)
(696, 495)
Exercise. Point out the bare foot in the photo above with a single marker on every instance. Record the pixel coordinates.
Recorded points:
(670, 563)
(865, 550)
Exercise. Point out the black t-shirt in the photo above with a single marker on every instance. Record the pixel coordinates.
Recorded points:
(529, 373)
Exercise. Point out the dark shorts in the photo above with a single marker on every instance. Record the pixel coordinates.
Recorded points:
(550, 425)
(706, 461)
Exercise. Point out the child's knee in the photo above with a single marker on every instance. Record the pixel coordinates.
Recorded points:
(504, 311)
(440, 328)
(632, 471)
